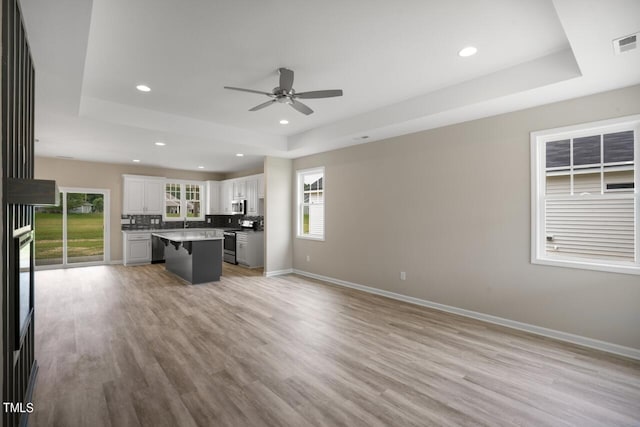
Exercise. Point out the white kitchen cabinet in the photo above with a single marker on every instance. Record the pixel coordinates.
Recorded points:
(251, 185)
(226, 196)
(142, 195)
(239, 189)
(154, 196)
(213, 198)
(261, 186)
(249, 188)
(137, 247)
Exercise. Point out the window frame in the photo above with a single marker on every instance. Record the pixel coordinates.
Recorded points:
(538, 198)
(300, 174)
(183, 200)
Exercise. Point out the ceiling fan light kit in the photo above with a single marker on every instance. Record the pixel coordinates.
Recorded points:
(285, 94)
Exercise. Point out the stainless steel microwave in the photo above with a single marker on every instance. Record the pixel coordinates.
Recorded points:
(238, 207)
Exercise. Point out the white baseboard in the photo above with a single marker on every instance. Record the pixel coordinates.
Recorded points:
(116, 262)
(278, 272)
(632, 353)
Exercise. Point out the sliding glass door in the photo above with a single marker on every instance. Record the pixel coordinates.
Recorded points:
(74, 232)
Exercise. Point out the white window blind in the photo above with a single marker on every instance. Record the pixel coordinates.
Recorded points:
(311, 197)
(585, 196)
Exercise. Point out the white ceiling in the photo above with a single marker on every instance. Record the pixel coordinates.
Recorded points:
(396, 61)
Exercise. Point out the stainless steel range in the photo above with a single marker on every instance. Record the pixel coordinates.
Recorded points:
(230, 245)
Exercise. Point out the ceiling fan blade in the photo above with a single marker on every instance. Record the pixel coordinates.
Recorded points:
(263, 105)
(286, 79)
(301, 107)
(319, 94)
(249, 90)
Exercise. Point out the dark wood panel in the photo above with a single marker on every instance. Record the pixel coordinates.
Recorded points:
(135, 346)
(18, 77)
(25, 192)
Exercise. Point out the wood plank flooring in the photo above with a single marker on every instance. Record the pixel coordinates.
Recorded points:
(134, 346)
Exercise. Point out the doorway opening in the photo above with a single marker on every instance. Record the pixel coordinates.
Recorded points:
(74, 233)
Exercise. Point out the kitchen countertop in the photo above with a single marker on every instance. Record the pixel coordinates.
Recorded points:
(193, 235)
(171, 230)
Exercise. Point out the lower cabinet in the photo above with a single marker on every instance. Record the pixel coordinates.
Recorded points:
(136, 248)
(249, 249)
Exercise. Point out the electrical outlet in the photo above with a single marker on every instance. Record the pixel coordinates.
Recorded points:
(208, 220)
(308, 258)
(229, 220)
(403, 275)
(133, 220)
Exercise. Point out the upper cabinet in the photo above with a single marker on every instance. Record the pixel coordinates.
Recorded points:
(145, 195)
(261, 186)
(142, 195)
(251, 185)
(249, 188)
(239, 188)
(226, 196)
(213, 198)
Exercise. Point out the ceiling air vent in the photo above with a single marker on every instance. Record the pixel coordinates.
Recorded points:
(625, 44)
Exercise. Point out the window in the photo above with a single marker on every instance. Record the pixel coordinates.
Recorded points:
(585, 196)
(311, 188)
(183, 199)
(173, 201)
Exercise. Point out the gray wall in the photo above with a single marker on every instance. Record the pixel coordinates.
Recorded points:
(451, 207)
(278, 217)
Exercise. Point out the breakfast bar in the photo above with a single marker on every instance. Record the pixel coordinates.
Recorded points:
(195, 256)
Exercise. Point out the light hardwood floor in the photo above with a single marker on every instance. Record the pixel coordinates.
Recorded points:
(129, 346)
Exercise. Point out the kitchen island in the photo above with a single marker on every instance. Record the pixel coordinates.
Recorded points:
(195, 256)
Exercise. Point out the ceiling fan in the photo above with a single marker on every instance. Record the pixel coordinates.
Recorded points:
(287, 95)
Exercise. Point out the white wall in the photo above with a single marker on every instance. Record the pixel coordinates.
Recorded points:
(451, 208)
(278, 216)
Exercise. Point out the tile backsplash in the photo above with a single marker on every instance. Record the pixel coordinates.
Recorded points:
(152, 222)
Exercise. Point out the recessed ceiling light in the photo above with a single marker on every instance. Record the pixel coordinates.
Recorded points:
(143, 88)
(468, 51)
(136, 161)
(160, 144)
(200, 167)
(239, 155)
(284, 122)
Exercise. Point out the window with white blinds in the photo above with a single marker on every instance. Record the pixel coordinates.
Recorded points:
(311, 193)
(585, 209)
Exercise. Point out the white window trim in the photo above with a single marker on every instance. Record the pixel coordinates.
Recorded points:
(183, 200)
(537, 183)
(299, 184)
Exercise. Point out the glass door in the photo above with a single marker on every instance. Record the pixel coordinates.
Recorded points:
(75, 232)
(48, 234)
